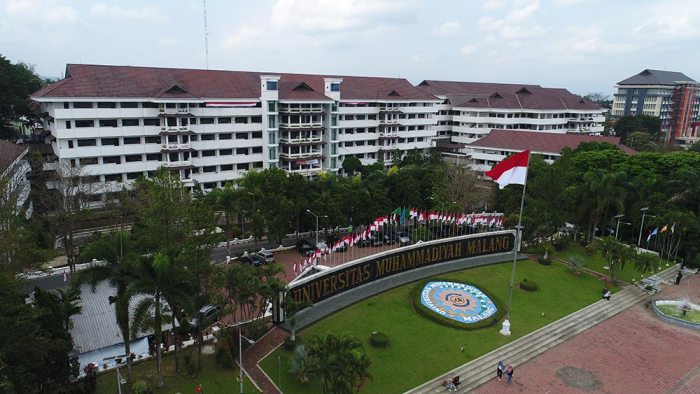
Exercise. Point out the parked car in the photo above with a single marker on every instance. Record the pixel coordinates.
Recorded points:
(252, 259)
(402, 238)
(207, 315)
(267, 256)
(304, 246)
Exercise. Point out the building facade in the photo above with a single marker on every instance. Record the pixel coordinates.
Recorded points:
(671, 96)
(470, 110)
(15, 187)
(499, 144)
(118, 123)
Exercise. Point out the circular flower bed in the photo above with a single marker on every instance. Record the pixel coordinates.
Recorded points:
(680, 312)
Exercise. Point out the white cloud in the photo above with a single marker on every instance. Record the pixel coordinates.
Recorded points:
(569, 3)
(423, 59)
(335, 15)
(677, 19)
(47, 11)
(322, 22)
(146, 12)
(490, 5)
(167, 42)
(467, 49)
(448, 28)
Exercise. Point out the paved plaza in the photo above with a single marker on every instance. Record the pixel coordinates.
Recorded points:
(632, 352)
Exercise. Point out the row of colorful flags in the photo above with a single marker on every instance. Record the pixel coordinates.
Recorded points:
(401, 216)
(656, 231)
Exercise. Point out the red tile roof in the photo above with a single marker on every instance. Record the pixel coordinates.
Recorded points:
(503, 95)
(9, 152)
(540, 142)
(84, 80)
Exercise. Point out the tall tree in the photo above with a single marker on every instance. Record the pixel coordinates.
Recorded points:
(17, 82)
(117, 268)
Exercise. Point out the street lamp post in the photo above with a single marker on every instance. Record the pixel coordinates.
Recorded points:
(120, 380)
(618, 217)
(316, 216)
(618, 227)
(644, 212)
(240, 357)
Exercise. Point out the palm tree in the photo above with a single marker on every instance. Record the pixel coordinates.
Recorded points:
(166, 285)
(339, 362)
(118, 271)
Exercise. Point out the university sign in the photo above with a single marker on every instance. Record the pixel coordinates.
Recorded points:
(386, 264)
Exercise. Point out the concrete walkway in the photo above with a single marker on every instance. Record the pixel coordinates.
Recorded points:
(632, 352)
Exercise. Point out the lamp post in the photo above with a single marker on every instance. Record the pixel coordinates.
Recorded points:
(644, 212)
(618, 223)
(618, 227)
(120, 380)
(316, 216)
(240, 357)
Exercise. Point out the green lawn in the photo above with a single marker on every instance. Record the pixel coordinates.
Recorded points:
(673, 311)
(597, 262)
(214, 379)
(421, 349)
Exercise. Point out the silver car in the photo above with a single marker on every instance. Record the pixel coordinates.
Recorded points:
(267, 256)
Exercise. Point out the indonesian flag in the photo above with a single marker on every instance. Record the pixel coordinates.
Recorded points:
(421, 216)
(512, 170)
(413, 212)
(295, 268)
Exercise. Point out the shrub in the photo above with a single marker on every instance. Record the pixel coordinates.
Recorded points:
(291, 345)
(415, 299)
(378, 339)
(528, 286)
(222, 355)
(139, 387)
(544, 261)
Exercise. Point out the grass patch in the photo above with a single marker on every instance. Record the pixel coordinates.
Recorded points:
(213, 378)
(596, 262)
(673, 311)
(422, 349)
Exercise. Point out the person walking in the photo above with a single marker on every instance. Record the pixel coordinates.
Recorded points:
(678, 277)
(509, 374)
(499, 370)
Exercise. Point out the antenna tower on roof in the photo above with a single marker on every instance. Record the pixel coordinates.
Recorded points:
(206, 35)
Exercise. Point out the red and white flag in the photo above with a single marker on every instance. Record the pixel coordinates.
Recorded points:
(295, 268)
(512, 170)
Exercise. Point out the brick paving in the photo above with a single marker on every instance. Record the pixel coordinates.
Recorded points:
(632, 352)
(254, 354)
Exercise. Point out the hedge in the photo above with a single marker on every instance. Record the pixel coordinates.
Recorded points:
(528, 286)
(379, 339)
(415, 299)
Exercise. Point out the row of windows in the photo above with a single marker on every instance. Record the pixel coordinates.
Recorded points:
(389, 105)
(374, 142)
(132, 104)
(156, 139)
(86, 161)
(170, 121)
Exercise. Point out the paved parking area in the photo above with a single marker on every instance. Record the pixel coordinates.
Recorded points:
(633, 352)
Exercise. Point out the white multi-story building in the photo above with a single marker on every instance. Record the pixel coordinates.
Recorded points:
(470, 110)
(118, 123)
(672, 96)
(14, 169)
(499, 144)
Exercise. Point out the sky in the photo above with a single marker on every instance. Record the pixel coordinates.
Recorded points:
(581, 45)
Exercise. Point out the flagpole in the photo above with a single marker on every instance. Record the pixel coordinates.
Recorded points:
(505, 330)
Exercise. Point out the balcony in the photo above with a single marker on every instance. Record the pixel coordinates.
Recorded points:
(175, 147)
(389, 122)
(175, 112)
(391, 110)
(178, 165)
(301, 141)
(388, 147)
(176, 131)
(301, 126)
(389, 135)
(301, 156)
(311, 110)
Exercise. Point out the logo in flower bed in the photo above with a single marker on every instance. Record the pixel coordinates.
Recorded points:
(457, 301)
